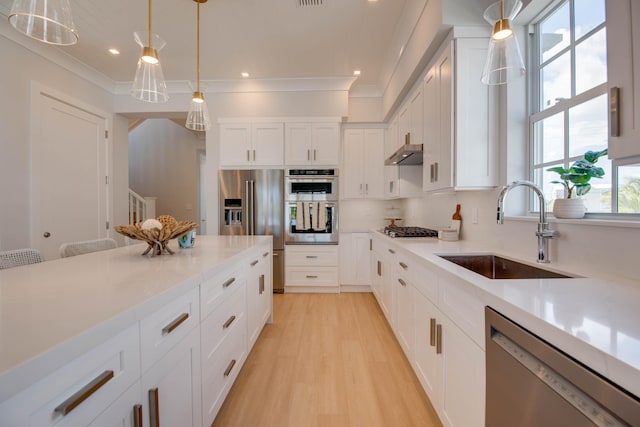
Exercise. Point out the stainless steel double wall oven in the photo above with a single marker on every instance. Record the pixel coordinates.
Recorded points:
(311, 206)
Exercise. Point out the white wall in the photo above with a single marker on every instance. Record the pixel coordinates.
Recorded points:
(163, 163)
(591, 248)
(21, 67)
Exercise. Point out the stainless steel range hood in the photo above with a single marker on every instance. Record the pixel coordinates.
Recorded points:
(407, 154)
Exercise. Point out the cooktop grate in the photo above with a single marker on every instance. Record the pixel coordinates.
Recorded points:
(398, 231)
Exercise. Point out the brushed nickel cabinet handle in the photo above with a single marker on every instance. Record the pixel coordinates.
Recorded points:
(261, 284)
(439, 339)
(614, 111)
(229, 368)
(254, 155)
(402, 282)
(366, 188)
(431, 172)
(253, 263)
(173, 325)
(248, 156)
(432, 332)
(137, 415)
(228, 282)
(266, 254)
(436, 173)
(379, 268)
(403, 265)
(310, 276)
(84, 393)
(370, 244)
(154, 408)
(228, 322)
(391, 251)
(312, 256)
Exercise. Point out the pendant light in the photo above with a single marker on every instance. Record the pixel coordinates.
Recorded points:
(504, 61)
(149, 84)
(46, 20)
(198, 117)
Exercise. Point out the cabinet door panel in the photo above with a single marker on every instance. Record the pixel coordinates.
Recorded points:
(268, 143)
(298, 144)
(235, 144)
(325, 144)
(464, 376)
(353, 164)
(428, 363)
(177, 379)
(374, 162)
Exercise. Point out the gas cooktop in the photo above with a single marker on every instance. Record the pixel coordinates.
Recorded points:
(397, 231)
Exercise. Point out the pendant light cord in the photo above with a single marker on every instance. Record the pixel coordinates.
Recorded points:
(501, 9)
(149, 23)
(198, 50)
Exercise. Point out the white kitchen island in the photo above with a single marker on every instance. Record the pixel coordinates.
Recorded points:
(133, 323)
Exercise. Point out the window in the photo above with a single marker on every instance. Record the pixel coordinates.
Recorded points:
(568, 70)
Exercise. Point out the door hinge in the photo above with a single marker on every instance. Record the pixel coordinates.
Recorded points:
(107, 225)
(106, 134)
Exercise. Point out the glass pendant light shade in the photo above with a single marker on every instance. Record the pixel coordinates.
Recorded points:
(149, 84)
(504, 60)
(198, 117)
(46, 20)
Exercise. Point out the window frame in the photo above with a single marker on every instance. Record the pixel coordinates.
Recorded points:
(536, 113)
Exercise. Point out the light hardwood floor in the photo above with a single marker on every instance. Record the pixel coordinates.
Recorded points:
(327, 360)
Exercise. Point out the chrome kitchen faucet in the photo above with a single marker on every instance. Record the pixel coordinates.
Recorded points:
(544, 233)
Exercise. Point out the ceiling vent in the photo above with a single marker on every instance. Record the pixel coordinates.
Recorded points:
(310, 2)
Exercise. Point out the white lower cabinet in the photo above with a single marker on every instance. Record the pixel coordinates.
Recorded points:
(171, 387)
(258, 294)
(354, 259)
(173, 367)
(311, 268)
(61, 398)
(436, 320)
(126, 411)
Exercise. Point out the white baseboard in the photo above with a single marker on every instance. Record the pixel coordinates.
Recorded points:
(355, 288)
(311, 289)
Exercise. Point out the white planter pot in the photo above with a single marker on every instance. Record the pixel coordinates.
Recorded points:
(568, 208)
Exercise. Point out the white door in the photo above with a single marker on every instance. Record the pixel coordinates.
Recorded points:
(69, 164)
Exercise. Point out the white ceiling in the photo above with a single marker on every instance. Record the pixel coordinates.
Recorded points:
(266, 38)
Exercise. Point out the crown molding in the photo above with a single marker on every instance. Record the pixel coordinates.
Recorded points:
(254, 85)
(56, 56)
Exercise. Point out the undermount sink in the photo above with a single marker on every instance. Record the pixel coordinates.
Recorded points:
(495, 267)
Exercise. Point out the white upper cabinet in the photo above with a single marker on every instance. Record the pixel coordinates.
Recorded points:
(312, 144)
(460, 139)
(410, 119)
(251, 144)
(623, 58)
(363, 161)
(399, 181)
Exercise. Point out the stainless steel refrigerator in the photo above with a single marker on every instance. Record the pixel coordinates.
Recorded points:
(252, 203)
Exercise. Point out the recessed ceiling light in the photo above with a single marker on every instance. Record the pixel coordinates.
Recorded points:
(245, 75)
(356, 73)
(114, 51)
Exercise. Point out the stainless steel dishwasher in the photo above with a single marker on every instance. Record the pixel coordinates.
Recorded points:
(530, 383)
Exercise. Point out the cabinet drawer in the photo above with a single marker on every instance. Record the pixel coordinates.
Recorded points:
(65, 398)
(325, 256)
(220, 369)
(317, 276)
(425, 280)
(214, 289)
(160, 331)
(223, 321)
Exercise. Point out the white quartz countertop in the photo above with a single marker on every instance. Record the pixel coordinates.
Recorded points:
(62, 308)
(594, 320)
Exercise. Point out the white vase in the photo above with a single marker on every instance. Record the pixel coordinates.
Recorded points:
(568, 208)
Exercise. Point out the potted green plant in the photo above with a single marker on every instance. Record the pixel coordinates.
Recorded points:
(576, 181)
